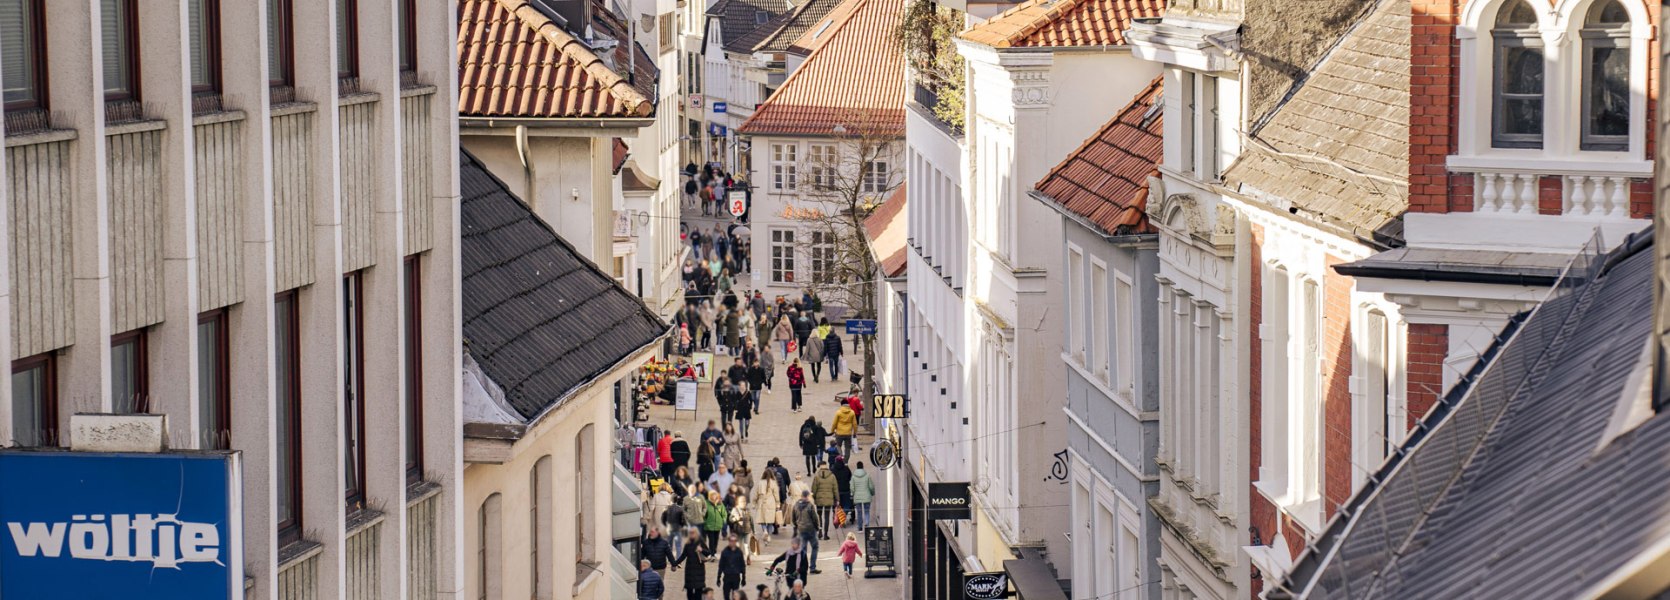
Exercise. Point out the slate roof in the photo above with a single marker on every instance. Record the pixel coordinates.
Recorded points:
(1063, 23)
(1106, 179)
(886, 230)
(513, 61)
(539, 318)
(854, 80)
(820, 30)
(783, 30)
(1338, 147)
(1514, 486)
(739, 18)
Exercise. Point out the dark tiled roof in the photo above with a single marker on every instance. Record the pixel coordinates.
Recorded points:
(1063, 23)
(1338, 148)
(539, 318)
(855, 80)
(821, 29)
(739, 18)
(785, 29)
(1514, 487)
(513, 61)
(1106, 179)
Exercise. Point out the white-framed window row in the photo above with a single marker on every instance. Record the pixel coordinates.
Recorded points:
(822, 162)
(1209, 111)
(1566, 83)
(997, 433)
(1291, 471)
(1379, 384)
(783, 250)
(785, 166)
(1106, 535)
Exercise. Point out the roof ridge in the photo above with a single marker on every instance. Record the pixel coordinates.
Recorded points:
(1097, 135)
(791, 17)
(577, 51)
(840, 28)
(1053, 9)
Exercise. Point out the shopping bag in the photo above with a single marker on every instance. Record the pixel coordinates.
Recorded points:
(840, 517)
(792, 347)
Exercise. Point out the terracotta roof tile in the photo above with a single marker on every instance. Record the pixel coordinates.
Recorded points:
(886, 229)
(1106, 179)
(514, 62)
(854, 80)
(1063, 23)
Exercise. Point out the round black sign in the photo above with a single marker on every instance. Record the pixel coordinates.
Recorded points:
(986, 586)
(882, 454)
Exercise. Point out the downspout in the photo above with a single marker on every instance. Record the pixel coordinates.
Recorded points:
(525, 154)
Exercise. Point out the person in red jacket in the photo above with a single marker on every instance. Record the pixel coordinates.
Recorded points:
(797, 380)
(664, 453)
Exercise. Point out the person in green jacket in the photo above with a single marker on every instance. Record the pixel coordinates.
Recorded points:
(715, 518)
(863, 491)
(825, 491)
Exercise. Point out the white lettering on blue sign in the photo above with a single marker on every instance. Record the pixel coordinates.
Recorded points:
(161, 539)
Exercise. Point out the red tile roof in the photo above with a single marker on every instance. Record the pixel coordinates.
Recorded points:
(1063, 23)
(1106, 179)
(514, 62)
(854, 80)
(886, 229)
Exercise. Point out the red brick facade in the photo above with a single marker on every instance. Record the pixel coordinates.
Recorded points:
(1433, 73)
(1428, 345)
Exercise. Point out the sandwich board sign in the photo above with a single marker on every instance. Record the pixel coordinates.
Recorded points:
(686, 398)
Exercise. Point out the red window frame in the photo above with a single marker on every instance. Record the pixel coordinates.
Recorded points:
(414, 369)
(221, 395)
(288, 302)
(36, 58)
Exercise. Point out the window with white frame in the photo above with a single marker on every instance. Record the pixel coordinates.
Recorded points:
(1374, 427)
(785, 159)
(997, 420)
(1075, 308)
(1124, 334)
(821, 160)
(1291, 470)
(1517, 78)
(1187, 124)
(1606, 58)
(1098, 321)
(782, 255)
(1083, 539)
(823, 256)
(875, 176)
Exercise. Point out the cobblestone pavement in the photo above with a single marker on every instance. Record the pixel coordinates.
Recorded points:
(774, 433)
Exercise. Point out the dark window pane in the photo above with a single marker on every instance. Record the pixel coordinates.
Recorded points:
(353, 367)
(1522, 117)
(29, 405)
(1523, 72)
(116, 23)
(127, 374)
(278, 41)
(414, 371)
(284, 350)
(347, 60)
(1609, 91)
(1610, 12)
(211, 383)
(17, 49)
(1518, 14)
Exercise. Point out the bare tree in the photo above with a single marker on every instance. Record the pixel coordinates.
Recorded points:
(848, 185)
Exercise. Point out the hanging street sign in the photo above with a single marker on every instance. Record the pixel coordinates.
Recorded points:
(737, 201)
(892, 406)
(720, 107)
(986, 586)
(883, 455)
(948, 501)
(861, 326)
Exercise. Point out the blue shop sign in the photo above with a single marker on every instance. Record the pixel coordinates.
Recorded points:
(861, 326)
(720, 107)
(97, 525)
(716, 130)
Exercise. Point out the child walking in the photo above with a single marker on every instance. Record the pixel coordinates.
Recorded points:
(849, 553)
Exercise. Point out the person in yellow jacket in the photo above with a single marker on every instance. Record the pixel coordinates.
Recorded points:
(844, 427)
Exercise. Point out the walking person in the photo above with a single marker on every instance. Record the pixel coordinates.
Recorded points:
(664, 453)
(721, 479)
(849, 552)
(680, 450)
(813, 353)
(833, 350)
(811, 442)
(732, 568)
(650, 586)
(843, 487)
(797, 563)
(803, 328)
(716, 518)
(768, 362)
(844, 427)
(825, 491)
(756, 383)
(766, 505)
(797, 382)
(806, 526)
(733, 440)
(783, 333)
(863, 491)
(742, 526)
(695, 572)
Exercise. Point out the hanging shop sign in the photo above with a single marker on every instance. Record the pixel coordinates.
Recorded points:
(883, 455)
(737, 202)
(986, 586)
(861, 326)
(892, 406)
(948, 501)
(720, 107)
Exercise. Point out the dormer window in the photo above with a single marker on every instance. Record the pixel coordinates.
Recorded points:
(1605, 37)
(1517, 96)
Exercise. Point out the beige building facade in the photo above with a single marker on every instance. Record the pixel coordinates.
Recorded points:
(242, 215)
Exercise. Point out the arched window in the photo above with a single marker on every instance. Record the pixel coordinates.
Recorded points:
(1606, 77)
(1517, 92)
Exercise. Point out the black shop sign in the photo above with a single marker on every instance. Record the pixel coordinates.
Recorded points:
(986, 586)
(947, 501)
